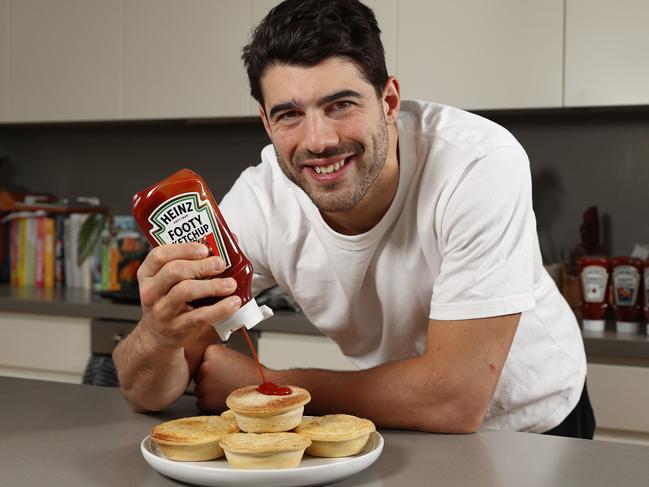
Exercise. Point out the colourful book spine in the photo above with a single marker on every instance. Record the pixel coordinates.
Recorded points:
(30, 251)
(39, 252)
(22, 250)
(59, 255)
(48, 256)
(15, 245)
(114, 266)
(68, 255)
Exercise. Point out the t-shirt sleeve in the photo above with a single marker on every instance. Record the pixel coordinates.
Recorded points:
(246, 217)
(486, 231)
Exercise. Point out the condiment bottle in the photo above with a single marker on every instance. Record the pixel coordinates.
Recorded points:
(594, 272)
(627, 275)
(180, 208)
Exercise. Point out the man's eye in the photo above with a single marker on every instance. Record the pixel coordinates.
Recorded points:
(341, 105)
(287, 115)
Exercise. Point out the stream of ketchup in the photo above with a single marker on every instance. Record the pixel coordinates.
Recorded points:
(268, 388)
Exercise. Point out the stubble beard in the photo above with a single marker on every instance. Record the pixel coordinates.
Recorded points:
(332, 198)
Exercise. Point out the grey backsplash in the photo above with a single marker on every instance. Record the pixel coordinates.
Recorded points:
(579, 158)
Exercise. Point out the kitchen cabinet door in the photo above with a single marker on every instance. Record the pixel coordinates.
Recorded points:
(481, 55)
(4, 58)
(42, 347)
(620, 396)
(64, 60)
(182, 59)
(292, 350)
(607, 52)
(386, 15)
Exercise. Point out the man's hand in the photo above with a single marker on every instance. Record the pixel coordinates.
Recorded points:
(170, 278)
(222, 371)
(154, 363)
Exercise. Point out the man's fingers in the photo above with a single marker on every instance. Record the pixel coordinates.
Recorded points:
(161, 255)
(177, 271)
(206, 315)
(190, 290)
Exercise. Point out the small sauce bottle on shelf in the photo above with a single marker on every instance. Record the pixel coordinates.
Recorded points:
(627, 276)
(594, 273)
(180, 208)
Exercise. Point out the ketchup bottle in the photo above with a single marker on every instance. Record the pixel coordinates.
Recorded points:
(627, 276)
(180, 208)
(594, 272)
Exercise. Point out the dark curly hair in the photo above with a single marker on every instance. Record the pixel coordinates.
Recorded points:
(306, 32)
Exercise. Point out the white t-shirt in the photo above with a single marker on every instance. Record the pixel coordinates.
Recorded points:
(458, 242)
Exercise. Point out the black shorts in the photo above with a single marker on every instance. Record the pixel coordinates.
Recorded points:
(580, 423)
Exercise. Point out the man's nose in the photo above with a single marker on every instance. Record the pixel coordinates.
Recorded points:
(320, 133)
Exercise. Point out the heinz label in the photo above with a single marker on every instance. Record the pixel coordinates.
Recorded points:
(626, 280)
(593, 281)
(187, 218)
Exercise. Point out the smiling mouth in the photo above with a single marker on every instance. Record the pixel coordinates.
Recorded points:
(331, 168)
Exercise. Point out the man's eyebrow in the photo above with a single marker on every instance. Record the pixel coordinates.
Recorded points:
(291, 105)
(283, 106)
(338, 95)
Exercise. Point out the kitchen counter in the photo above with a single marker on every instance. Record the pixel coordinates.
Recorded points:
(606, 347)
(72, 435)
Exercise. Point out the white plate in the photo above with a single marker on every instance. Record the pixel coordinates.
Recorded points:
(311, 471)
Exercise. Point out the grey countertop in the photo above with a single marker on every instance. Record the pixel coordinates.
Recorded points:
(601, 347)
(73, 435)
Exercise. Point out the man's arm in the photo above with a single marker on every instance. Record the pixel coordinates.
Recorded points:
(155, 362)
(447, 389)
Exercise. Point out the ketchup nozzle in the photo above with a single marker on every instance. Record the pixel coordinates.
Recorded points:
(248, 315)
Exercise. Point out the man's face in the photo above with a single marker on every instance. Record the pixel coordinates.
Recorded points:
(328, 128)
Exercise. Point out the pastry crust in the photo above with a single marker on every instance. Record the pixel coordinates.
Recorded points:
(248, 401)
(265, 450)
(193, 439)
(229, 414)
(260, 413)
(335, 435)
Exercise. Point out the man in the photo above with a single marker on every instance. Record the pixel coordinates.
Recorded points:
(405, 232)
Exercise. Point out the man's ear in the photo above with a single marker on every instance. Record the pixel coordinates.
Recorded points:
(262, 114)
(391, 99)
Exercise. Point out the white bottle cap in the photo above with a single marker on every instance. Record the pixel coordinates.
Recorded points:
(248, 315)
(627, 326)
(593, 325)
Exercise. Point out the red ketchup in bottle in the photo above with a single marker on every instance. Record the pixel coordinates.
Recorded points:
(179, 209)
(594, 273)
(627, 278)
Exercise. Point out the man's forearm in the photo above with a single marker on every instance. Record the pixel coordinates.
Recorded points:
(150, 377)
(405, 394)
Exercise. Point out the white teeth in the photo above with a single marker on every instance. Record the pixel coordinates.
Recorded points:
(330, 168)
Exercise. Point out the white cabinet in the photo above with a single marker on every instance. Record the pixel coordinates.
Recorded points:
(481, 55)
(607, 52)
(620, 400)
(4, 58)
(64, 60)
(44, 347)
(183, 59)
(290, 350)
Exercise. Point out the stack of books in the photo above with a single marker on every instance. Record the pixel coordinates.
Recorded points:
(47, 246)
